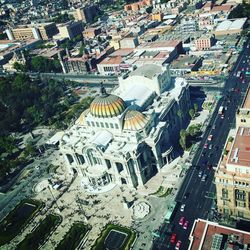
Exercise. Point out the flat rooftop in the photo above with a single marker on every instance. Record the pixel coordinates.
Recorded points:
(206, 234)
(184, 62)
(246, 102)
(240, 153)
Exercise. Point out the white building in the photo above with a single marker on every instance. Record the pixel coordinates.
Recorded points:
(125, 138)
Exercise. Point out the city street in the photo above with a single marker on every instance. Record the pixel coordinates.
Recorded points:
(197, 203)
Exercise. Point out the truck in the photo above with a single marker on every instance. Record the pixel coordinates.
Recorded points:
(221, 110)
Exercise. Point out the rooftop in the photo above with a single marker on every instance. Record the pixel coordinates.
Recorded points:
(240, 153)
(112, 60)
(148, 70)
(206, 234)
(246, 103)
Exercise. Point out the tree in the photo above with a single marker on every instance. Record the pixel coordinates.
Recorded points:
(183, 138)
(180, 114)
(191, 113)
(196, 107)
(19, 67)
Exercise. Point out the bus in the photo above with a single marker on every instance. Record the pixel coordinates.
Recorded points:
(221, 110)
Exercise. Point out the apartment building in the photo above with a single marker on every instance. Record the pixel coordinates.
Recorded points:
(86, 13)
(232, 177)
(204, 42)
(42, 31)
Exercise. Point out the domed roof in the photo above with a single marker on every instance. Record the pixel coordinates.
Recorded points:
(107, 106)
(134, 120)
(81, 119)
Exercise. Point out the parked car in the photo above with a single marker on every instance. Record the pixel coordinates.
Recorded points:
(186, 224)
(182, 221)
(178, 245)
(173, 238)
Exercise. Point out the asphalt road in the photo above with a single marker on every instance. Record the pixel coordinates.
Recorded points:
(198, 205)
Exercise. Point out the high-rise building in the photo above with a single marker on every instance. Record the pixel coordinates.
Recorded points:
(243, 114)
(70, 29)
(86, 14)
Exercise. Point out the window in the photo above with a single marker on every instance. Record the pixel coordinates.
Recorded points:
(224, 193)
(102, 125)
(106, 125)
(97, 124)
(119, 167)
(111, 125)
(93, 124)
(108, 163)
(240, 195)
(116, 126)
(88, 123)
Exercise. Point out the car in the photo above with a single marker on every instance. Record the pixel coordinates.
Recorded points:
(204, 177)
(214, 126)
(222, 116)
(209, 166)
(210, 137)
(182, 221)
(210, 146)
(200, 173)
(182, 207)
(186, 195)
(173, 238)
(178, 245)
(186, 224)
(205, 145)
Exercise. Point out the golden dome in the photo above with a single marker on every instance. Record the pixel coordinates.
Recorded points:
(81, 119)
(107, 106)
(134, 120)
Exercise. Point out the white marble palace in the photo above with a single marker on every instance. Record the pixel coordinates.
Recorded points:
(126, 137)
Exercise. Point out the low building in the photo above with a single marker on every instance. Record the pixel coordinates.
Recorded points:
(157, 16)
(211, 235)
(185, 64)
(189, 25)
(229, 27)
(70, 29)
(92, 32)
(77, 65)
(126, 137)
(204, 42)
(129, 42)
(232, 177)
(137, 5)
(243, 114)
(42, 31)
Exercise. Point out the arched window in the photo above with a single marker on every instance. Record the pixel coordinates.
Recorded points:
(93, 157)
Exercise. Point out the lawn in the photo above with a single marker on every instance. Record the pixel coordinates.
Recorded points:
(36, 238)
(17, 219)
(73, 237)
(100, 242)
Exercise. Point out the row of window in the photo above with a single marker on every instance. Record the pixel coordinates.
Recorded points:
(235, 182)
(102, 125)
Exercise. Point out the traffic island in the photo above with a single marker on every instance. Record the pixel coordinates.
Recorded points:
(37, 238)
(17, 219)
(115, 237)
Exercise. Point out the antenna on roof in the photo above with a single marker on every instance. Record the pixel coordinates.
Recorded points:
(103, 91)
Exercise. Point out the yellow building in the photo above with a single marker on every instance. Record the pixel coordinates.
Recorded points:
(232, 177)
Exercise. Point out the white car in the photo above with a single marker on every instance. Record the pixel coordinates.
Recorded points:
(182, 207)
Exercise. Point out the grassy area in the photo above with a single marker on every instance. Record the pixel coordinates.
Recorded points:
(33, 240)
(99, 244)
(160, 191)
(73, 237)
(168, 192)
(17, 219)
